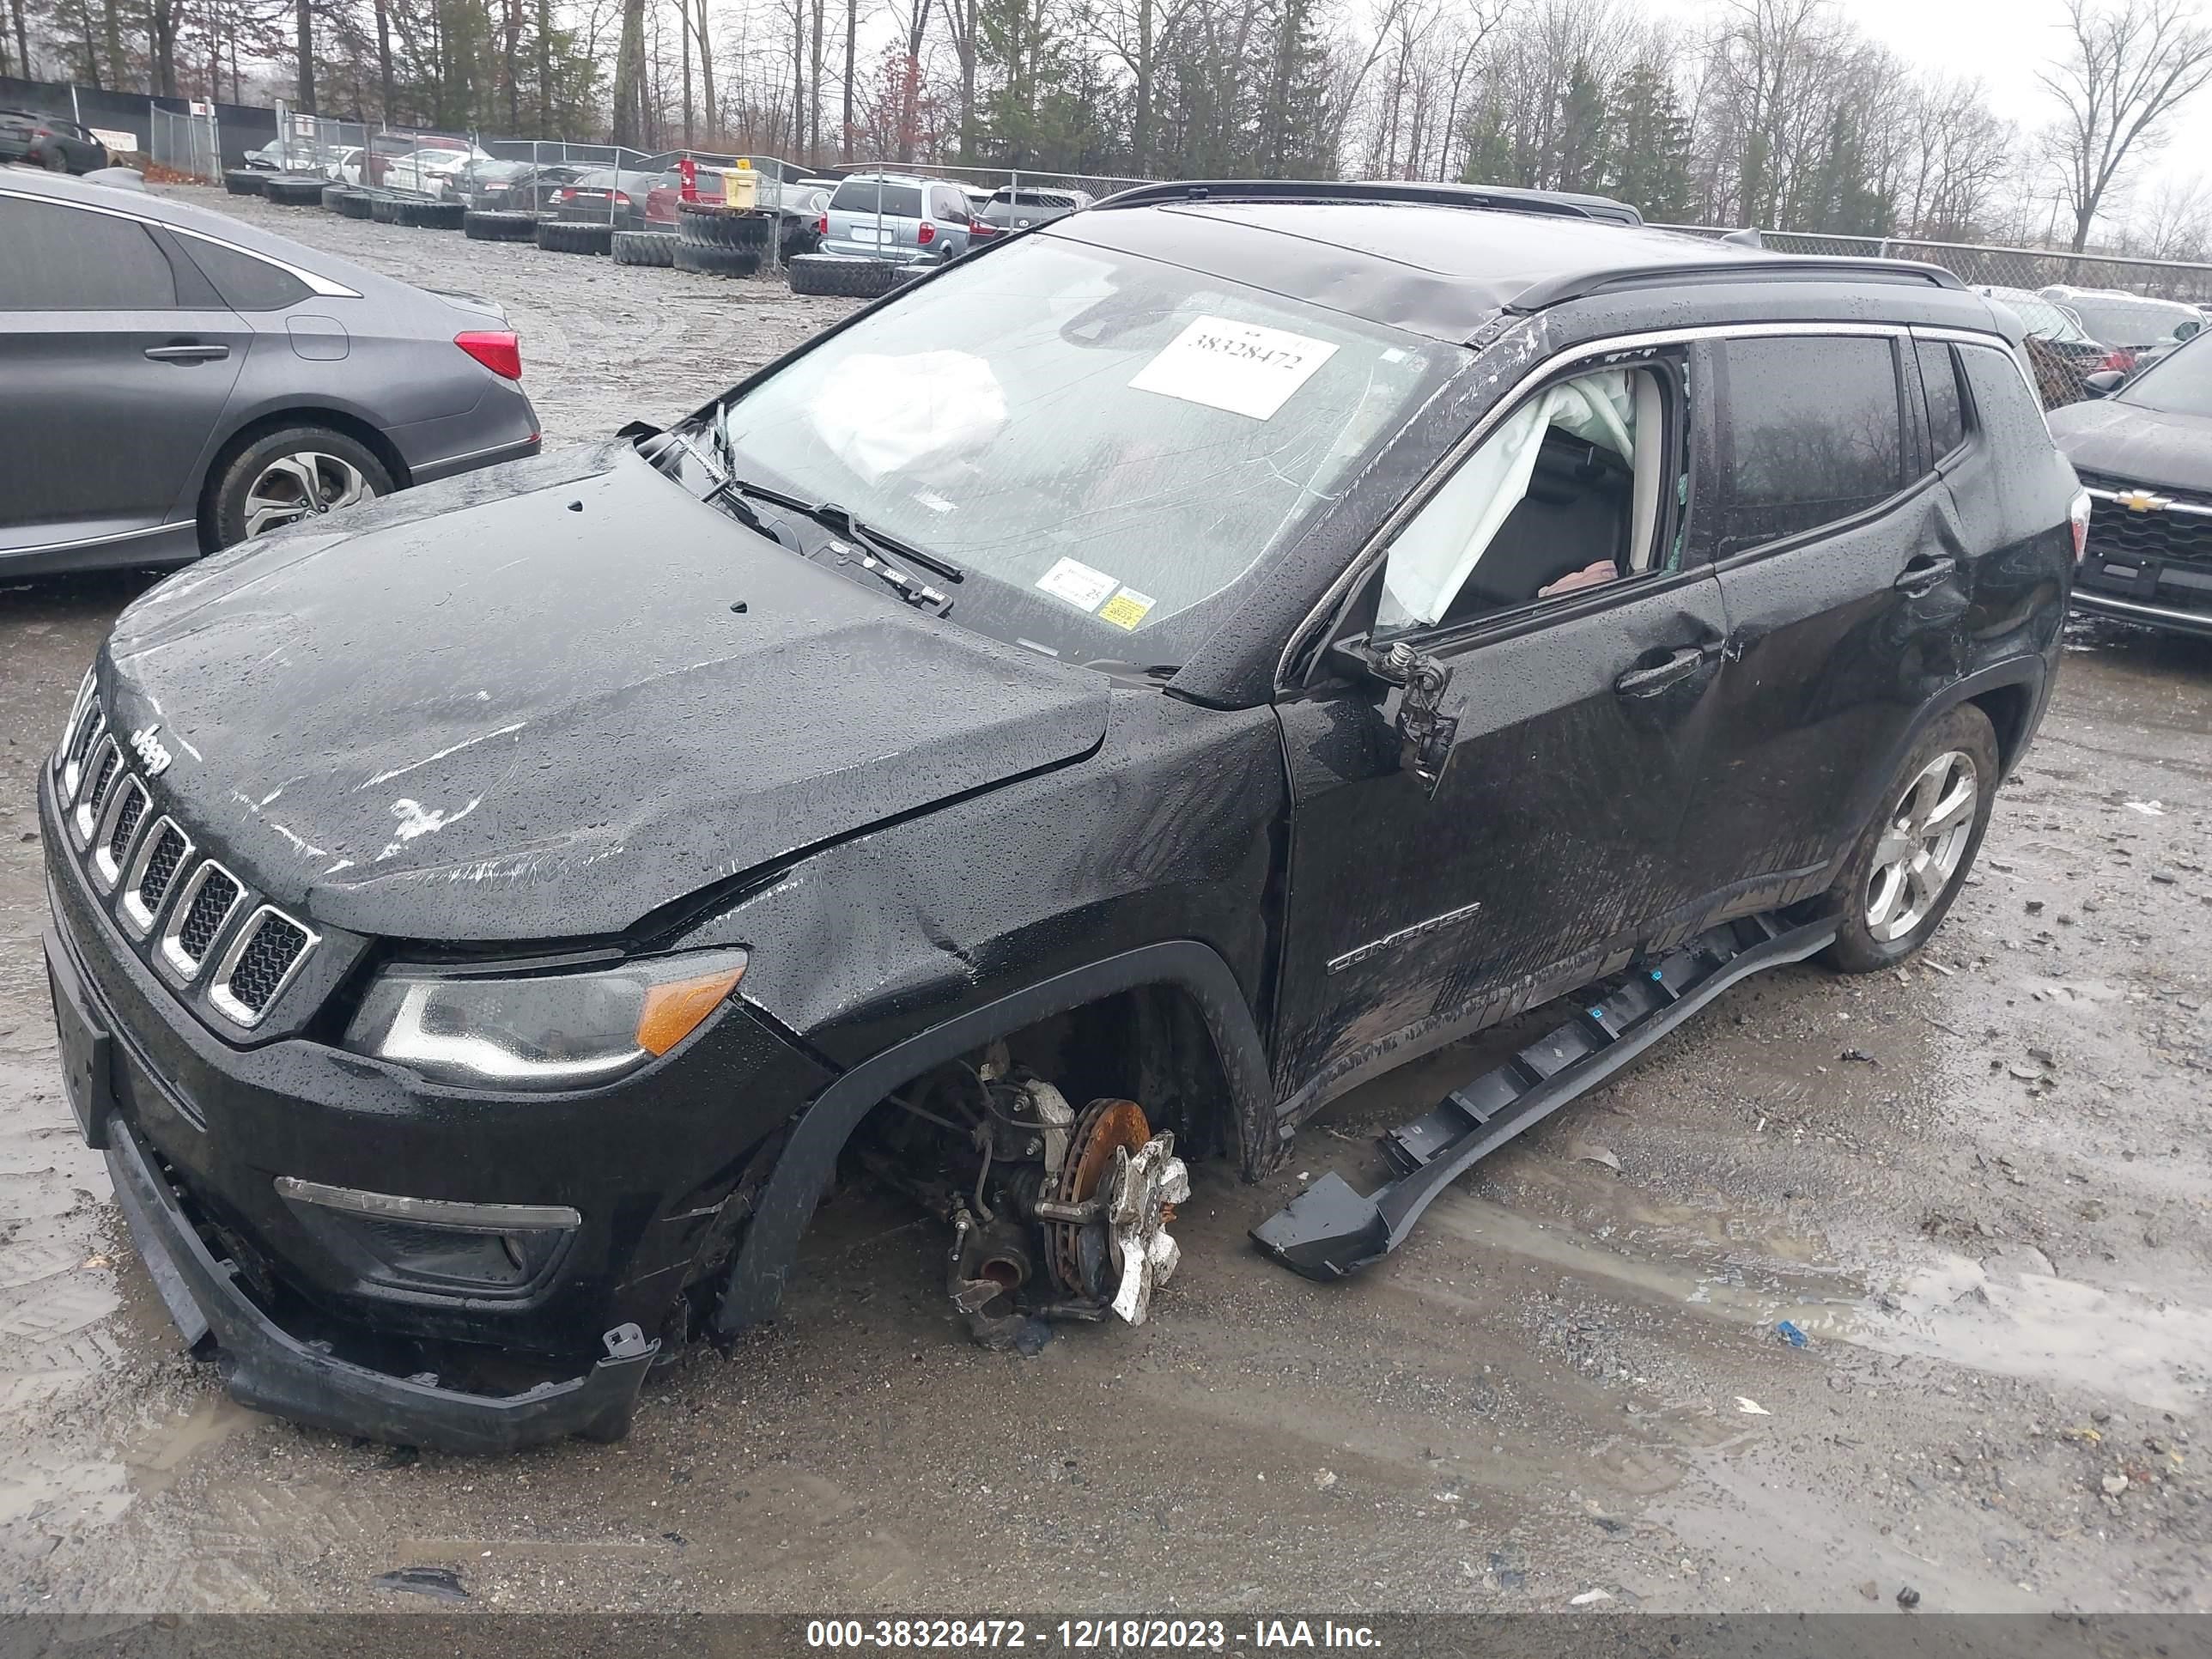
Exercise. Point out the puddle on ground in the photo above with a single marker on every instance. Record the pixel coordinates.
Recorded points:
(1991, 1316)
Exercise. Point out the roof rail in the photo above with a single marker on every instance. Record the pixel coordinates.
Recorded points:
(1347, 190)
(1581, 285)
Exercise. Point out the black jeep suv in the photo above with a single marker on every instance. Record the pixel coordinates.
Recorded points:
(1106, 700)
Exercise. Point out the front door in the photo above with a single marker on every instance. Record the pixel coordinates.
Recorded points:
(1547, 576)
(114, 388)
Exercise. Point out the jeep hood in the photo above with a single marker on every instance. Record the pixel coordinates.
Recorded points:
(540, 702)
(2141, 445)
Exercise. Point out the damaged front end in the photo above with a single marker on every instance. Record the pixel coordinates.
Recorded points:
(1055, 1213)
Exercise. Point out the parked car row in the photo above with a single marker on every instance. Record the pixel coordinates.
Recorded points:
(2075, 333)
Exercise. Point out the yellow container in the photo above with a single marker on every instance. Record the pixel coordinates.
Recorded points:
(741, 187)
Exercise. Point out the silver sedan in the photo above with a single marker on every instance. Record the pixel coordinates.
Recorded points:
(173, 381)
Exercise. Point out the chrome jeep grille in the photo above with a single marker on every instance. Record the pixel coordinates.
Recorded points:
(105, 761)
(166, 848)
(210, 898)
(260, 963)
(190, 915)
(126, 810)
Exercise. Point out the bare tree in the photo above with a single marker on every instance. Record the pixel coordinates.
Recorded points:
(2128, 65)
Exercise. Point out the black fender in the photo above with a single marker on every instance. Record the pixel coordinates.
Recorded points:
(769, 1250)
(2032, 672)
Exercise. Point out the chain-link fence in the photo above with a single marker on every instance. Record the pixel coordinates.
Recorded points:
(2086, 315)
(316, 145)
(1096, 186)
(187, 145)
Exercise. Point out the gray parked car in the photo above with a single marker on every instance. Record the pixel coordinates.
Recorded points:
(173, 381)
(901, 217)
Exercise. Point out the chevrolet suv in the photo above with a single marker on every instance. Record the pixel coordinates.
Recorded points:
(1094, 707)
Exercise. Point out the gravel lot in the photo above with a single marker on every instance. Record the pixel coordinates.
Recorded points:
(1979, 1184)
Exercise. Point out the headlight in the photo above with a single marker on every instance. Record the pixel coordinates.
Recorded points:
(543, 1031)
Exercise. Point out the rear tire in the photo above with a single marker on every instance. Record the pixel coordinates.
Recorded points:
(644, 247)
(716, 261)
(557, 238)
(244, 181)
(1910, 862)
(54, 161)
(846, 278)
(487, 226)
(266, 485)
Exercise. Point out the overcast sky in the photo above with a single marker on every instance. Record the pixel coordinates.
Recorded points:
(2004, 43)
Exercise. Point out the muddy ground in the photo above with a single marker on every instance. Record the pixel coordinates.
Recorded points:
(1978, 1185)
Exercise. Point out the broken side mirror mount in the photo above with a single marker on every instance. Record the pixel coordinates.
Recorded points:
(1419, 681)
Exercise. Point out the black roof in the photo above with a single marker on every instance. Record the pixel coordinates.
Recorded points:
(1439, 259)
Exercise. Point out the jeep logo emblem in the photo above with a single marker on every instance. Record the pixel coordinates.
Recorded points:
(151, 750)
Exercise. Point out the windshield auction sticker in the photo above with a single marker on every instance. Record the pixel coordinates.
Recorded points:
(1126, 609)
(1077, 583)
(1239, 367)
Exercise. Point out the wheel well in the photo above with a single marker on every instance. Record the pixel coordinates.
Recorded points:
(1150, 1044)
(2009, 707)
(253, 431)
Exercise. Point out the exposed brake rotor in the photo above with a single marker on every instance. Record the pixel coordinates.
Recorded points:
(1100, 1128)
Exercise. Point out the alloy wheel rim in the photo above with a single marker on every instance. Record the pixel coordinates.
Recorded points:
(1922, 840)
(302, 486)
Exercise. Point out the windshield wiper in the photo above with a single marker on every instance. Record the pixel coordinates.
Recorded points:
(881, 555)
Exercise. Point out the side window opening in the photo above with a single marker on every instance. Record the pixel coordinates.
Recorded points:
(1940, 390)
(1567, 493)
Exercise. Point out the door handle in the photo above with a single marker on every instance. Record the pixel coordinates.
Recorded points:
(1924, 575)
(1648, 682)
(187, 354)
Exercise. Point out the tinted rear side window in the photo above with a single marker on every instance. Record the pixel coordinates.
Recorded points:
(244, 283)
(54, 258)
(1811, 431)
(1947, 409)
(859, 196)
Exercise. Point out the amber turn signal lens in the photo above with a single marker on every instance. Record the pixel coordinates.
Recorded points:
(672, 1011)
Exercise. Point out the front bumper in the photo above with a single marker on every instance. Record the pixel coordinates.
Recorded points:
(265, 1367)
(2198, 622)
(263, 1364)
(198, 1131)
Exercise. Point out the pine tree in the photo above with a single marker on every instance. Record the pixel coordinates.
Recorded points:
(1490, 158)
(1582, 143)
(1647, 160)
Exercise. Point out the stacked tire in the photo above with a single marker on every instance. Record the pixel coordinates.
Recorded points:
(644, 247)
(244, 181)
(715, 261)
(846, 277)
(715, 240)
(431, 215)
(332, 193)
(294, 192)
(489, 225)
(385, 209)
(355, 204)
(555, 237)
